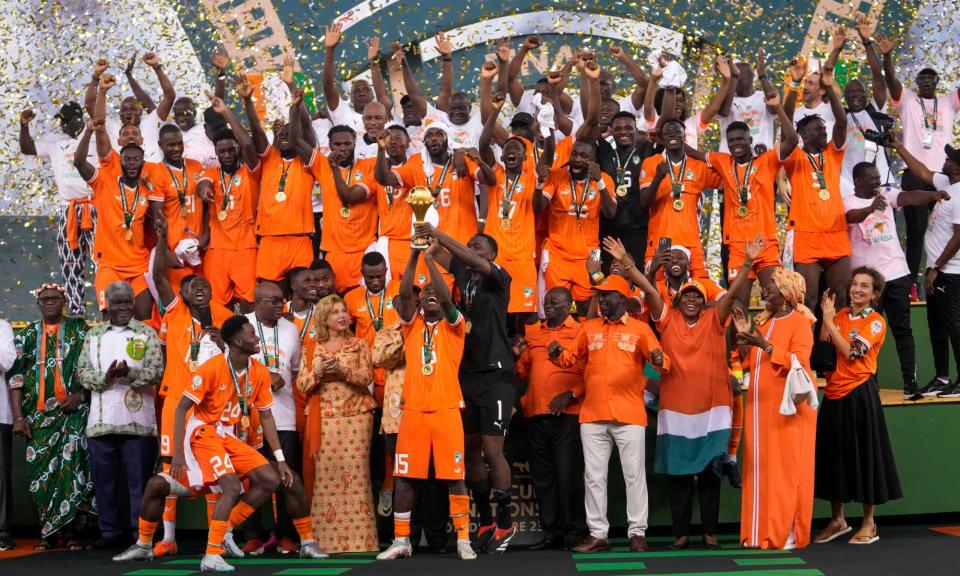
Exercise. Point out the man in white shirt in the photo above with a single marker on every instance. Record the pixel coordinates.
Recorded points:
(196, 144)
(375, 117)
(280, 352)
(927, 121)
(8, 354)
(121, 363)
(76, 217)
(942, 276)
(744, 103)
(874, 242)
(361, 92)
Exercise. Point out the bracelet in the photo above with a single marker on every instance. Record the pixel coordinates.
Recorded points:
(20, 419)
(596, 277)
(447, 58)
(762, 76)
(278, 454)
(222, 75)
(482, 220)
(793, 84)
(867, 42)
(625, 268)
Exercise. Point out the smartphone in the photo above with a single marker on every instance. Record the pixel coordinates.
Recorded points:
(206, 317)
(595, 254)
(664, 244)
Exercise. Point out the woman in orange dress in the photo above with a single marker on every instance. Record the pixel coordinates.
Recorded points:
(777, 503)
(342, 507)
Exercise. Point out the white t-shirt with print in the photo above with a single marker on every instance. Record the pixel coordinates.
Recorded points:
(945, 215)
(753, 111)
(289, 360)
(58, 149)
(874, 241)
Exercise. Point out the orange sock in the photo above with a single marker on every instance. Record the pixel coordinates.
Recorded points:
(212, 499)
(401, 524)
(304, 529)
(460, 514)
(388, 476)
(215, 537)
(274, 499)
(147, 530)
(240, 512)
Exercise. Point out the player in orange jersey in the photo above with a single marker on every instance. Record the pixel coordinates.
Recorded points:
(210, 449)
(431, 431)
(817, 219)
(285, 207)
(575, 196)
(231, 189)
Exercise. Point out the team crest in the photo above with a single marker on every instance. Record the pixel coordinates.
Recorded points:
(689, 175)
(458, 457)
(197, 382)
(591, 195)
(528, 292)
(389, 304)
(357, 175)
(876, 327)
(236, 180)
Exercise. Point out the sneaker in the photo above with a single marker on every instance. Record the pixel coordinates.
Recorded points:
(465, 550)
(910, 391)
(935, 387)
(215, 563)
(287, 546)
(313, 551)
(385, 504)
(400, 548)
(230, 547)
(732, 472)
(6, 543)
(136, 553)
(164, 548)
(484, 536)
(501, 539)
(951, 391)
(253, 547)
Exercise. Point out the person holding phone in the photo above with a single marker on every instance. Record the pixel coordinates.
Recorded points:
(675, 261)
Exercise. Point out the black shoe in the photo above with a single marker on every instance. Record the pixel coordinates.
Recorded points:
(552, 543)
(732, 472)
(498, 544)
(952, 391)
(115, 543)
(910, 391)
(6, 543)
(936, 386)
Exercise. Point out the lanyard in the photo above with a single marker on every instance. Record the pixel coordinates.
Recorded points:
(377, 318)
(435, 190)
(817, 164)
(58, 388)
(622, 166)
(429, 343)
(508, 197)
(194, 343)
(350, 175)
(676, 182)
(181, 188)
(241, 394)
(579, 202)
(853, 116)
(276, 345)
(744, 186)
(283, 174)
(306, 323)
(127, 213)
(469, 293)
(923, 107)
(226, 191)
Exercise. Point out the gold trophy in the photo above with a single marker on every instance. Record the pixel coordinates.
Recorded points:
(420, 200)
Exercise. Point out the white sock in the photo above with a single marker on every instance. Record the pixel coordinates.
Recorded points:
(732, 459)
(170, 531)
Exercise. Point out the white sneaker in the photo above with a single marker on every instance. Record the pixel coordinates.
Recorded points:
(385, 503)
(465, 550)
(135, 553)
(401, 548)
(230, 547)
(312, 550)
(215, 563)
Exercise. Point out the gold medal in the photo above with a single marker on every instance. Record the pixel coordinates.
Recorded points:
(183, 211)
(245, 421)
(222, 215)
(427, 369)
(128, 235)
(621, 191)
(742, 211)
(193, 365)
(280, 196)
(345, 212)
(505, 224)
(824, 194)
(468, 326)
(678, 204)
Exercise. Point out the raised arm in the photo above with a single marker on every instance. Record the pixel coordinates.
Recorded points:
(146, 102)
(636, 72)
(220, 62)
(765, 83)
(514, 87)
(90, 95)
(331, 93)
(649, 99)
(376, 75)
(446, 71)
(728, 74)
(439, 286)
(797, 70)
(457, 250)
(917, 168)
(789, 139)
(725, 305)
(306, 127)
(879, 87)
(409, 84)
(590, 93)
(886, 46)
(27, 145)
(104, 141)
(615, 248)
(304, 149)
(382, 171)
(161, 263)
(649, 193)
(407, 302)
(839, 114)
(84, 167)
(247, 149)
(489, 125)
(259, 137)
(555, 82)
(166, 86)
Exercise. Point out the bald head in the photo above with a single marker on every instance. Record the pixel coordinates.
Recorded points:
(374, 118)
(268, 303)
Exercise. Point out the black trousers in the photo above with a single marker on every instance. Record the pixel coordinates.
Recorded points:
(556, 466)
(6, 489)
(915, 218)
(707, 485)
(116, 458)
(293, 454)
(943, 318)
(318, 232)
(895, 303)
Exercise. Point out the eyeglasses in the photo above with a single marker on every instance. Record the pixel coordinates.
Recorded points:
(273, 301)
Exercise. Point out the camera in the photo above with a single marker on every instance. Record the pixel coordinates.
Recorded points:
(883, 136)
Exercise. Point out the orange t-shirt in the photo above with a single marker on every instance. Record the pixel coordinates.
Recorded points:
(561, 153)
(870, 329)
(380, 306)
(110, 246)
(760, 195)
(808, 211)
(441, 388)
(294, 214)
(455, 196)
(697, 379)
(242, 189)
(178, 329)
(353, 232)
(546, 379)
(516, 241)
(394, 212)
(184, 219)
(570, 235)
(683, 226)
(213, 391)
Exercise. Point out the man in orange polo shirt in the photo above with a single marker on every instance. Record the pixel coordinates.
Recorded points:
(818, 223)
(285, 206)
(551, 409)
(611, 351)
(671, 185)
(231, 189)
(371, 306)
(575, 195)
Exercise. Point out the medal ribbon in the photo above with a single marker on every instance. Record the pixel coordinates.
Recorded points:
(194, 340)
(378, 318)
(306, 323)
(742, 186)
(282, 185)
(817, 164)
(435, 190)
(923, 107)
(508, 197)
(674, 179)
(241, 392)
(226, 190)
(429, 336)
(58, 388)
(127, 214)
(622, 167)
(181, 188)
(276, 345)
(579, 202)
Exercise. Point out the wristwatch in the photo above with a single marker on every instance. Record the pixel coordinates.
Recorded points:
(768, 348)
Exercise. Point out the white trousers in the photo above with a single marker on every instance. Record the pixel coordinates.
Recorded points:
(598, 439)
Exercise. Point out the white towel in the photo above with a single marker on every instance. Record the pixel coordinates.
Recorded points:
(798, 383)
